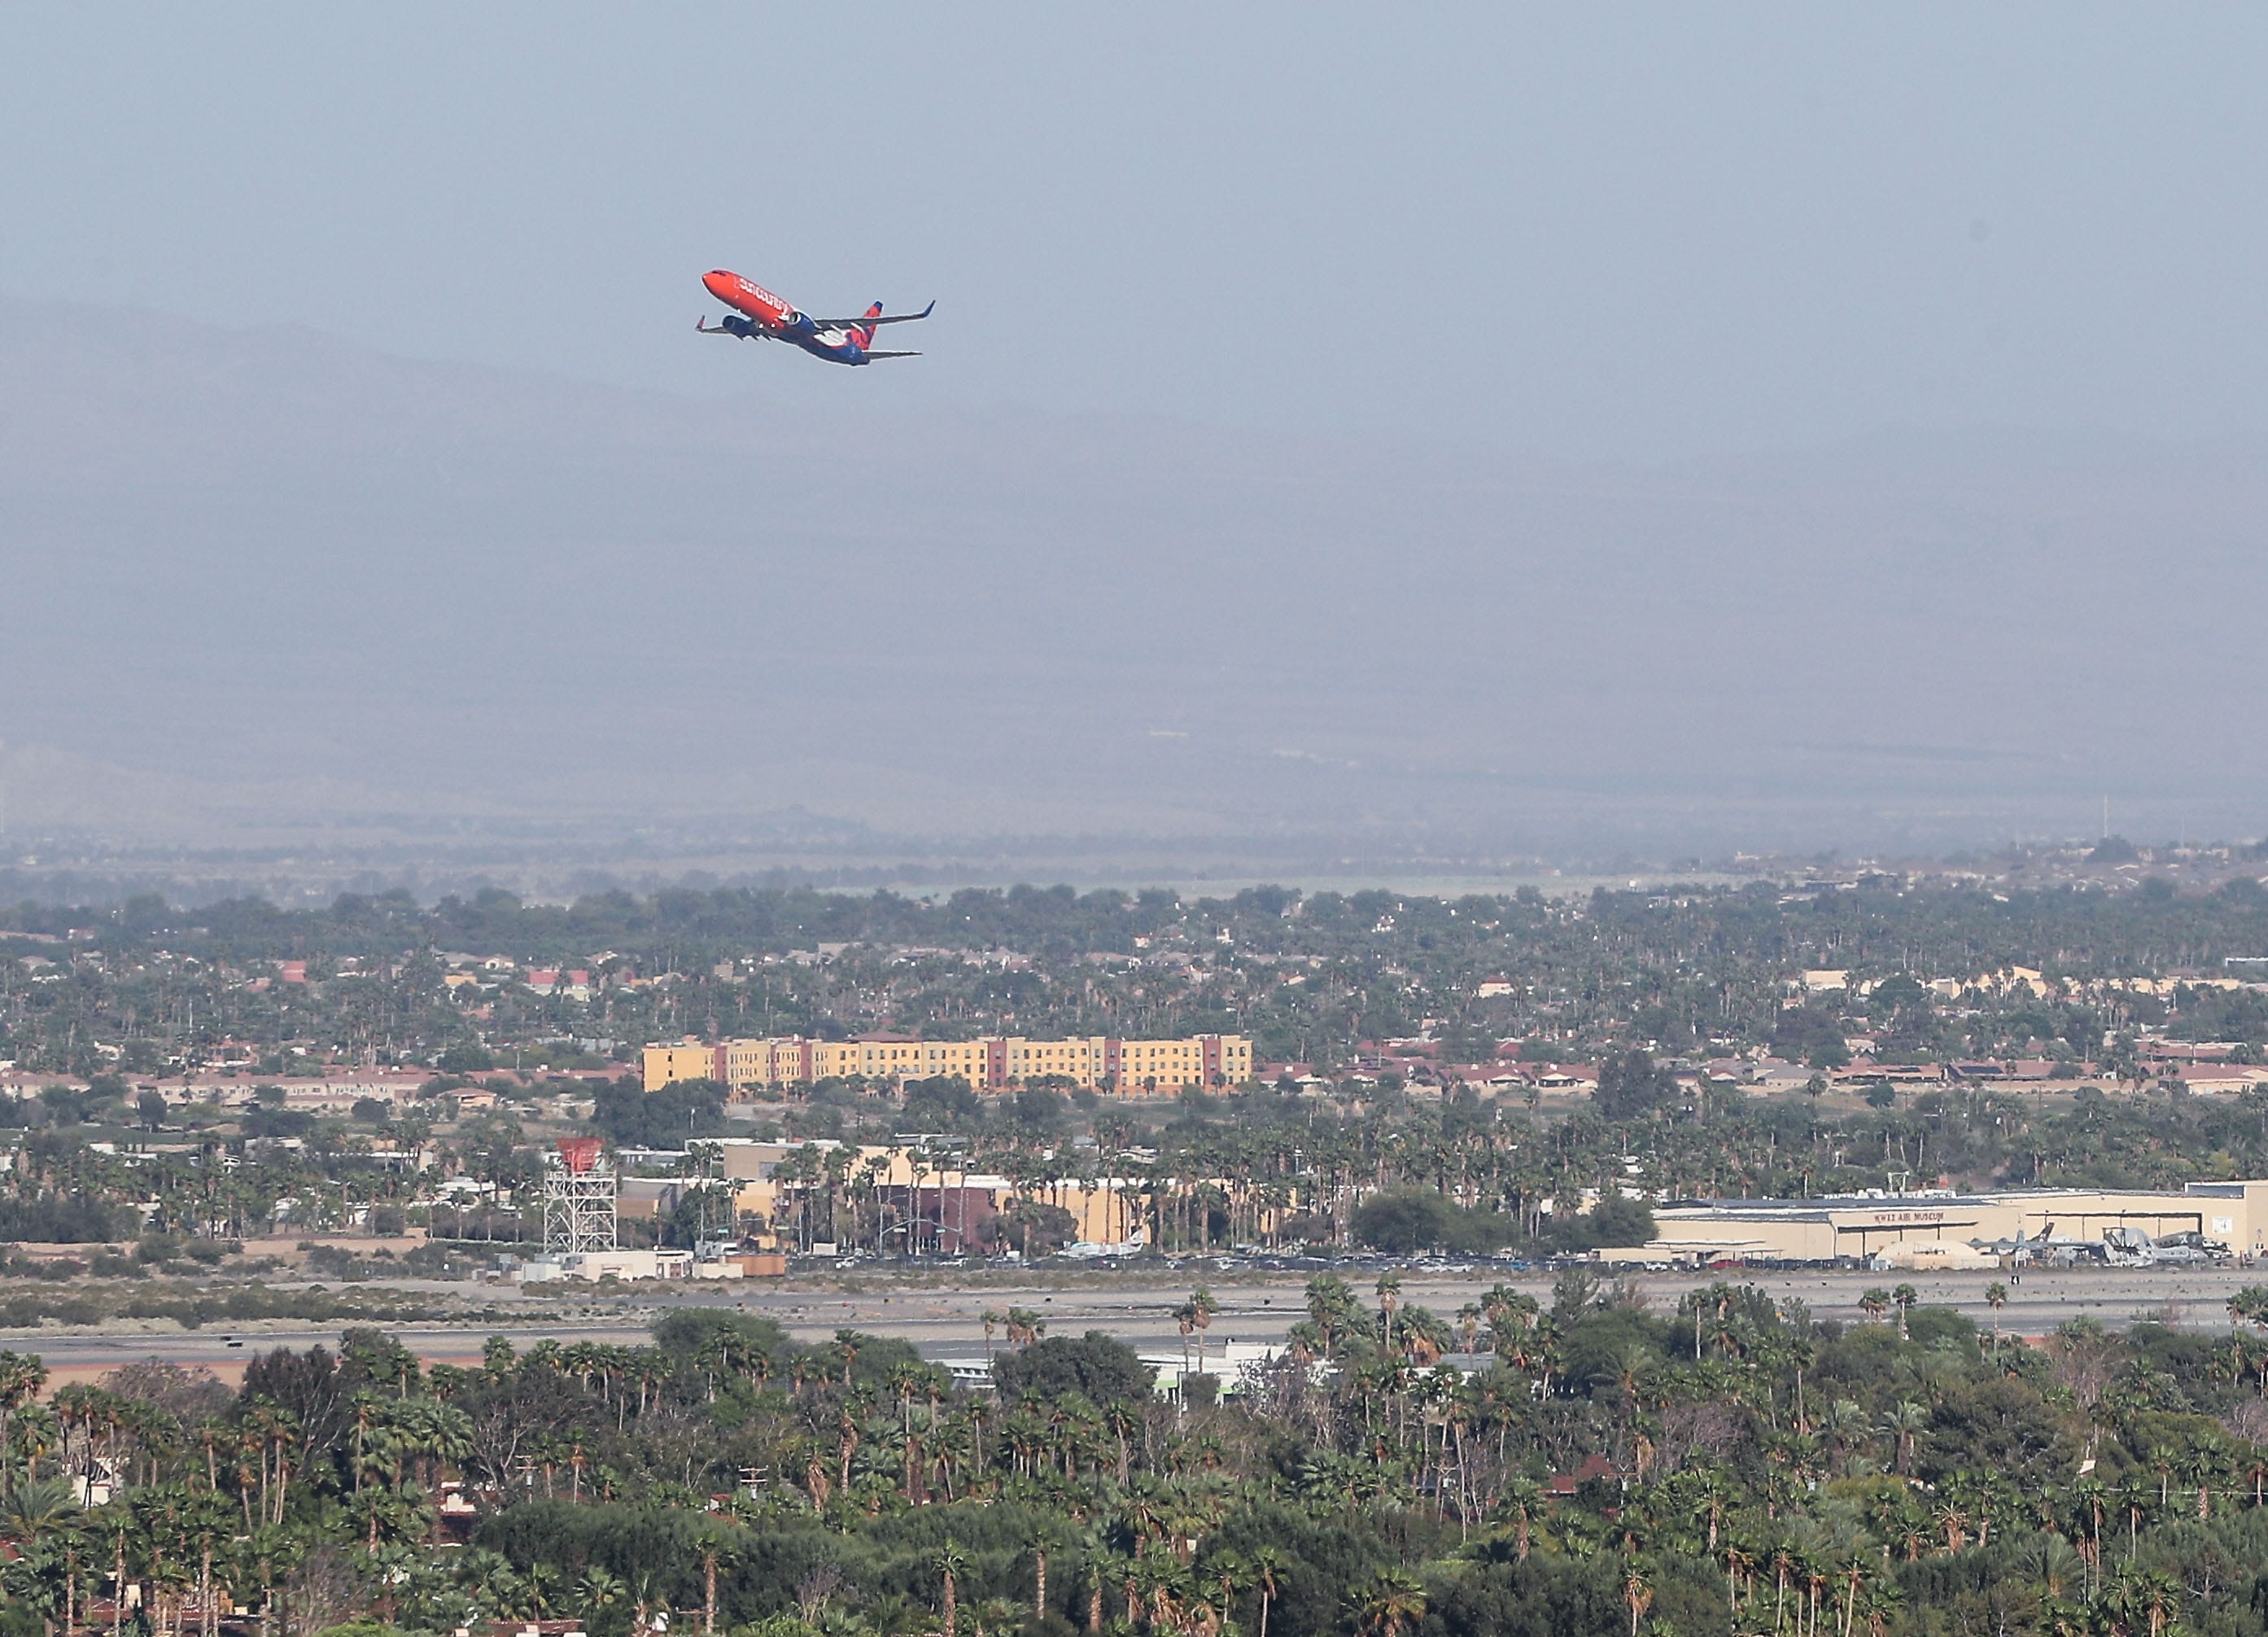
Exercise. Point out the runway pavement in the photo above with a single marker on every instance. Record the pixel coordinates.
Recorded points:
(1255, 1308)
(948, 1323)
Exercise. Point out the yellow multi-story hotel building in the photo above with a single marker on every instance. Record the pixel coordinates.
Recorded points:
(1097, 1062)
(689, 1060)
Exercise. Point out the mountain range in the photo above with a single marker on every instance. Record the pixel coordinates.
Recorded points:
(262, 579)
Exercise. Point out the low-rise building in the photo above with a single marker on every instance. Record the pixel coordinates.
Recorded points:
(929, 1196)
(1101, 1062)
(597, 1265)
(1858, 1227)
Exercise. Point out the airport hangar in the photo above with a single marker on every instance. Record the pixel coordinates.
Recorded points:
(1853, 1227)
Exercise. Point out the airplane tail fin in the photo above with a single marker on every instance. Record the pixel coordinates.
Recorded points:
(865, 332)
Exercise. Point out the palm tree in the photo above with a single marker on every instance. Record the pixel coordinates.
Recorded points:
(1739, 1568)
(599, 1590)
(1202, 1308)
(2145, 1599)
(1331, 1307)
(1159, 1584)
(118, 1574)
(1952, 1520)
(2252, 1462)
(1903, 1421)
(1858, 1570)
(2203, 1462)
(1787, 1566)
(1518, 1501)
(206, 1518)
(1096, 1566)
(2164, 1460)
(1044, 1538)
(2134, 1501)
(1906, 1296)
(1631, 1366)
(715, 1542)
(1393, 1601)
(1637, 1593)
(2250, 1306)
(2052, 1562)
(21, 1377)
(540, 1587)
(951, 1563)
(1267, 1567)
(37, 1509)
(1231, 1574)
(1881, 1598)
(369, 1507)
(1817, 1577)
(1996, 1297)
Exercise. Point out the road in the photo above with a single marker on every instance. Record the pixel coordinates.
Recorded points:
(946, 1323)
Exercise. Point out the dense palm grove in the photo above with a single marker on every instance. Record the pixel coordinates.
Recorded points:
(1602, 1469)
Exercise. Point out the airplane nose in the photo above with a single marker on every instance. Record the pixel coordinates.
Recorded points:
(718, 283)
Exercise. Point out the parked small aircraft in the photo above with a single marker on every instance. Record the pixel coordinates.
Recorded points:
(1088, 1251)
(2044, 1249)
(2035, 1249)
(759, 315)
(2120, 1246)
(2130, 1247)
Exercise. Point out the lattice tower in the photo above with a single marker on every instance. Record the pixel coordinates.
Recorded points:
(578, 1197)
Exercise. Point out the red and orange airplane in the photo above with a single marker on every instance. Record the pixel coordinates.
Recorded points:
(759, 315)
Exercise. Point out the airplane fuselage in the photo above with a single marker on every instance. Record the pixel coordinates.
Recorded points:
(759, 315)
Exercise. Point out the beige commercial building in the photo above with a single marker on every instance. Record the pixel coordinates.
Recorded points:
(768, 1175)
(1856, 1228)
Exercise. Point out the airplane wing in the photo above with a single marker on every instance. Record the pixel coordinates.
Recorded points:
(893, 354)
(887, 318)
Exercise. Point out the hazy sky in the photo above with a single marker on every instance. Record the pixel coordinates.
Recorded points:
(1638, 232)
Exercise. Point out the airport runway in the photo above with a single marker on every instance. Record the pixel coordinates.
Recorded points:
(1254, 1307)
(1261, 1308)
